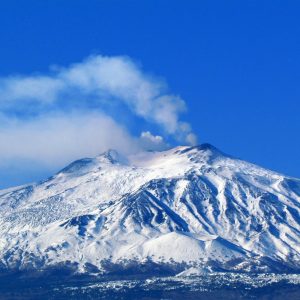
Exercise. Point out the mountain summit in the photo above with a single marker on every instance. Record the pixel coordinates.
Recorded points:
(191, 206)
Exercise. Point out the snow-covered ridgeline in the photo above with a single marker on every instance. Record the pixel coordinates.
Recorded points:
(188, 204)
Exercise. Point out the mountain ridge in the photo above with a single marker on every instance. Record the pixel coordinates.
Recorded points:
(191, 205)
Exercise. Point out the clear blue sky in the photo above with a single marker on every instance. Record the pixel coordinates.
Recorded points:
(236, 63)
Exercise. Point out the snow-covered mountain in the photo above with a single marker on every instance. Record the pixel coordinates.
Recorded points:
(194, 205)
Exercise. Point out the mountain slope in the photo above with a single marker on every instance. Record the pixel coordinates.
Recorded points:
(189, 204)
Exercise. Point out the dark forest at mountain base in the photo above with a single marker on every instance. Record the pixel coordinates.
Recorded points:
(209, 286)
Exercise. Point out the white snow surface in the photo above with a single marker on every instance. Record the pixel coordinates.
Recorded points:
(188, 204)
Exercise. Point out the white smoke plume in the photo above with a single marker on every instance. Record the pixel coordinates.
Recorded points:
(105, 79)
(66, 114)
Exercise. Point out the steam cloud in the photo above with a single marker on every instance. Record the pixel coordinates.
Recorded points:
(64, 114)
